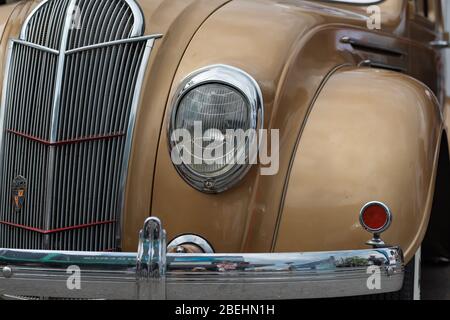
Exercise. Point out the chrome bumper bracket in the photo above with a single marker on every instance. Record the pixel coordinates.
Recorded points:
(151, 261)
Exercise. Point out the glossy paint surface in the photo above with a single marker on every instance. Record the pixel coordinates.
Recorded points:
(292, 48)
(354, 151)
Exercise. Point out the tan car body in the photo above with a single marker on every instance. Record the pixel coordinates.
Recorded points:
(349, 133)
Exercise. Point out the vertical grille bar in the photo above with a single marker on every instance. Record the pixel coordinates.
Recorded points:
(68, 20)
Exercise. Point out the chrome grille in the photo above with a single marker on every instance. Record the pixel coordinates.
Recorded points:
(101, 80)
(117, 21)
(69, 101)
(45, 27)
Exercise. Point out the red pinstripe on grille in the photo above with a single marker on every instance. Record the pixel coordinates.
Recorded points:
(66, 142)
(41, 231)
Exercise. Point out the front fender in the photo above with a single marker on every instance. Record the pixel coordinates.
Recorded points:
(371, 135)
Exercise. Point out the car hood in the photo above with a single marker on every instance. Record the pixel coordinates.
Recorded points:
(162, 16)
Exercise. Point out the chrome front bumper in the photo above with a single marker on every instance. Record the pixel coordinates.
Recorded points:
(153, 274)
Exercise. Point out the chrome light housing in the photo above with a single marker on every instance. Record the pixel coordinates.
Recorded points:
(209, 106)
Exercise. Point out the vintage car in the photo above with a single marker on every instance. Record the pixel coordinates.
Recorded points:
(346, 97)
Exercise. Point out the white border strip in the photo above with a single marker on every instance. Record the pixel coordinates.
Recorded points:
(417, 274)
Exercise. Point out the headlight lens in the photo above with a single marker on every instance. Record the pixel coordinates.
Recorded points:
(210, 106)
(217, 107)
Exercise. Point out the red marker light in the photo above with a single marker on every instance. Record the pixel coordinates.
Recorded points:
(375, 217)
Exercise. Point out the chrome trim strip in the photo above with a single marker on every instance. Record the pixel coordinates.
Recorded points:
(60, 72)
(23, 31)
(113, 43)
(4, 97)
(139, 23)
(440, 44)
(130, 135)
(35, 46)
(153, 274)
(55, 116)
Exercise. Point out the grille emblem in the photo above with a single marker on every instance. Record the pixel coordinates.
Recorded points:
(19, 188)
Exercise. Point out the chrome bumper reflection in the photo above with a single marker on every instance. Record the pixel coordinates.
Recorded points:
(153, 274)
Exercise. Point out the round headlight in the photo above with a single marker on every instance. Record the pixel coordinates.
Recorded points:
(213, 128)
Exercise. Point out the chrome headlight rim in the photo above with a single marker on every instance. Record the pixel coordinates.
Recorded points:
(249, 89)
